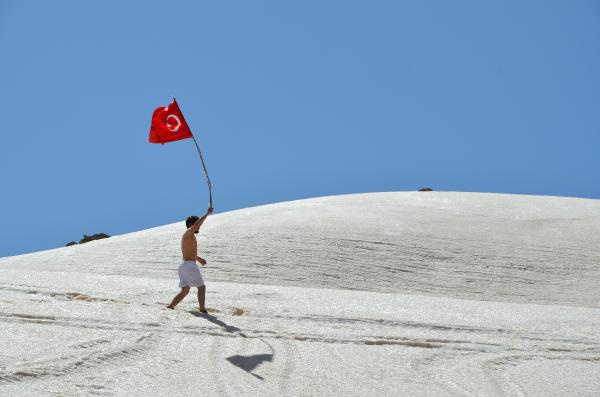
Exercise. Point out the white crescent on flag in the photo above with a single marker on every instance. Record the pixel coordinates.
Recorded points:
(170, 126)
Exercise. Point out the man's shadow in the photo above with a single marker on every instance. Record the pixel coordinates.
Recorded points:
(226, 327)
(247, 363)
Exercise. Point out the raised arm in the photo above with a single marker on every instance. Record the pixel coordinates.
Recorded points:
(196, 226)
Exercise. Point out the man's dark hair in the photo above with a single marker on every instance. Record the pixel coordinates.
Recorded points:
(189, 222)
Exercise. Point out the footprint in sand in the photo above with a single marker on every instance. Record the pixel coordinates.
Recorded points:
(80, 297)
(237, 311)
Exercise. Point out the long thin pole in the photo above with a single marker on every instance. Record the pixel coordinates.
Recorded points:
(205, 171)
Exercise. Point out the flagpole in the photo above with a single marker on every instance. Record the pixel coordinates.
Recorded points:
(205, 171)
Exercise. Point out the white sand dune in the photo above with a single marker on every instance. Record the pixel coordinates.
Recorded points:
(371, 294)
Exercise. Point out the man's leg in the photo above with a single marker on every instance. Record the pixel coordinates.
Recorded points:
(179, 297)
(201, 297)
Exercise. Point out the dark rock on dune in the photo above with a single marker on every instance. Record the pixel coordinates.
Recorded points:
(426, 189)
(70, 243)
(97, 236)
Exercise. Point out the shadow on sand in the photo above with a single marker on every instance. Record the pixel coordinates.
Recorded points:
(226, 327)
(247, 363)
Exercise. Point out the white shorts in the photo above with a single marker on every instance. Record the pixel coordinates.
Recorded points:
(189, 275)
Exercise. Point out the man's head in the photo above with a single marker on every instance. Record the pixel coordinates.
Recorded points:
(189, 222)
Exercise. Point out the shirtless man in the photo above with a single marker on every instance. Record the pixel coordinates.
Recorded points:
(189, 273)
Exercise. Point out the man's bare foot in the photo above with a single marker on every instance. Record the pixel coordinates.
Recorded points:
(170, 307)
(203, 310)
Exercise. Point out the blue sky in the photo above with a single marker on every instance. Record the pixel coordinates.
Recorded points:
(288, 100)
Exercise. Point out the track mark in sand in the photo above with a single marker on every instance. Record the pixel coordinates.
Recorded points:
(450, 385)
(404, 343)
(75, 322)
(498, 382)
(93, 389)
(90, 344)
(59, 295)
(546, 348)
(288, 368)
(224, 329)
(438, 370)
(286, 350)
(97, 355)
(151, 324)
(537, 336)
(29, 317)
(215, 354)
(389, 341)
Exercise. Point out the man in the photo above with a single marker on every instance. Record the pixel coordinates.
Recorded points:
(189, 273)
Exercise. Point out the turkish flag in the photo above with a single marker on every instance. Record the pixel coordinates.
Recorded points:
(168, 124)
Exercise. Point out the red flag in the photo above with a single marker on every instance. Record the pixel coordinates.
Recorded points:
(168, 124)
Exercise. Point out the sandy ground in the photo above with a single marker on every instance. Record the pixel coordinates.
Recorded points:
(372, 305)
